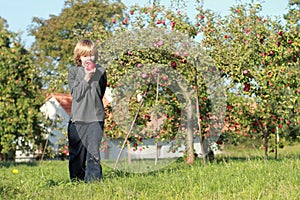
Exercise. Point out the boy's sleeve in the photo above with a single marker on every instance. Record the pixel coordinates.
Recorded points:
(78, 88)
(103, 83)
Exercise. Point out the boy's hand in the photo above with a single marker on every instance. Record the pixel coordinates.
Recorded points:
(89, 71)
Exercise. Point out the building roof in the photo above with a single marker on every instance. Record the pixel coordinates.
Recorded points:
(65, 100)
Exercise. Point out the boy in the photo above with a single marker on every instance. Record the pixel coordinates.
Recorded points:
(87, 84)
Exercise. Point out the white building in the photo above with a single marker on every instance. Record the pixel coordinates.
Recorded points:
(57, 108)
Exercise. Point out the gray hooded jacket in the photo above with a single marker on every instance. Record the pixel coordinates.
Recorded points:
(87, 104)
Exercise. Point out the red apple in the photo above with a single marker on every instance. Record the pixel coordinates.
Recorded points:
(246, 87)
(173, 64)
(278, 44)
(90, 66)
(172, 23)
(144, 75)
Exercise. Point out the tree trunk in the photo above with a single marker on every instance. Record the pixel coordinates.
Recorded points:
(276, 143)
(190, 156)
(128, 153)
(266, 143)
(190, 135)
(1, 155)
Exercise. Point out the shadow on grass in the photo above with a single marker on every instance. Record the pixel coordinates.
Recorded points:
(15, 164)
(245, 158)
(176, 165)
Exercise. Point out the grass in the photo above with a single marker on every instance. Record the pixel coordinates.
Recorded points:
(235, 174)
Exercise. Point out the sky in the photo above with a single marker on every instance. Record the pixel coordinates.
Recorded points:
(19, 13)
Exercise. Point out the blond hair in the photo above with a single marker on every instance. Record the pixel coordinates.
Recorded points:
(84, 48)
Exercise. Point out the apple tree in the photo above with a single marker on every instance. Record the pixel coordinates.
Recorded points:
(134, 62)
(259, 56)
(20, 99)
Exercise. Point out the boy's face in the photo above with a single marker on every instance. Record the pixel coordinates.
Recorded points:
(86, 59)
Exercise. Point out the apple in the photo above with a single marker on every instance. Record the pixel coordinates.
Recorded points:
(144, 75)
(90, 66)
(271, 53)
(160, 43)
(172, 24)
(229, 107)
(246, 87)
(173, 64)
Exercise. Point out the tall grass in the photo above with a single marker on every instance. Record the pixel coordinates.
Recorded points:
(235, 174)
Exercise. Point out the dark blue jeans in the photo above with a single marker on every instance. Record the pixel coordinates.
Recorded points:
(84, 155)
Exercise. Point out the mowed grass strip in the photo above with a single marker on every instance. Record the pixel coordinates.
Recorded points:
(231, 176)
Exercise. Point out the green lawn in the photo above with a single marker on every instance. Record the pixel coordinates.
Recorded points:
(235, 174)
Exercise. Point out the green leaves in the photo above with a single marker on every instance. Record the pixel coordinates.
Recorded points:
(268, 51)
(20, 98)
